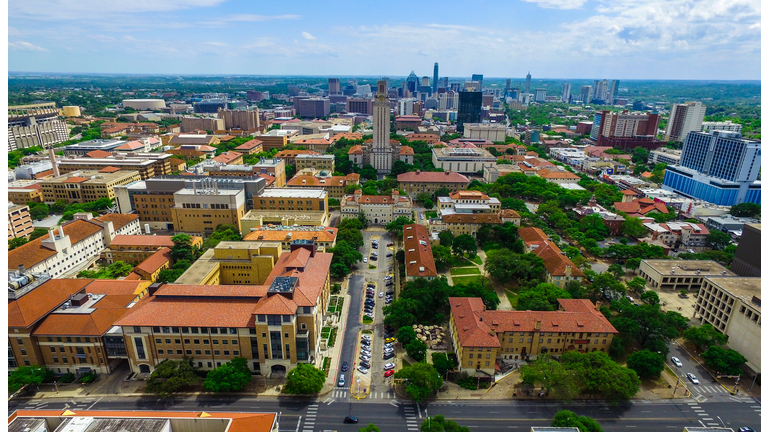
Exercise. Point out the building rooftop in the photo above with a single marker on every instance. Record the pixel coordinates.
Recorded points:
(432, 177)
(419, 261)
(32, 253)
(39, 302)
(293, 193)
(290, 233)
(748, 289)
(141, 240)
(688, 267)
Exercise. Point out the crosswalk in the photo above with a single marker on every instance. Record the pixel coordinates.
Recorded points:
(410, 418)
(710, 389)
(341, 393)
(309, 420)
(72, 404)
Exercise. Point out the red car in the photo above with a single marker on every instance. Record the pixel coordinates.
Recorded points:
(389, 373)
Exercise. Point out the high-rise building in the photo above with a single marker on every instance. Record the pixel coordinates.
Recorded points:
(425, 81)
(434, 80)
(360, 106)
(684, 118)
(479, 79)
(334, 86)
(566, 92)
(719, 167)
(723, 126)
(382, 154)
(314, 107)
(35, 125)
(508, 87)
(613, 90)
(470, 108)
(540, 95)
(586, 94)
(240, 119)
(412, 82)
(528, 83)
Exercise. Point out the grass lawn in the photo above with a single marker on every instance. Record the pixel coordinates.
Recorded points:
(467, 279)
(512, 297)
(326, 366)
(477, 260)
(367, 332)
(460, 262)
(332, 338)
(406, 364)
(465, 271)
(491, 247)
(367, 320)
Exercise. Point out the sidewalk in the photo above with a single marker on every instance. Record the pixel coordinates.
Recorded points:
(335, 351)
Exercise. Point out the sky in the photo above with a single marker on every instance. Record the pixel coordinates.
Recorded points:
(568, 39)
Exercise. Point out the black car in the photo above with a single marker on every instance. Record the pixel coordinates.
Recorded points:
(350, 419)
(388, 356)
(344, 367)
(373, 258)
(375, 246)
(365, 343)
(389, 254)
(365, 364)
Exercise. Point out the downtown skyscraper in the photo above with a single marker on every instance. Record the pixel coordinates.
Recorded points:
(528, 83)
(434, 80)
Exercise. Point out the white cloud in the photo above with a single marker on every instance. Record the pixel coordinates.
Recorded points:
(63, 10)
(25, 46)
(558, 4)
(307, 36)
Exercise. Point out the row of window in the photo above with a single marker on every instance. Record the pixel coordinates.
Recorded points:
(197, 341)
(197, 352)
(193, 330)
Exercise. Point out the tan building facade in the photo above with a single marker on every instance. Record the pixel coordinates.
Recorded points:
(85, 186)
(292, 199)
(335, 185)
(25, 195)
(379, 209)
(148, 165)
(678, 275)
(19, 221)
(416, 182)
(202, 210)
(315, 162)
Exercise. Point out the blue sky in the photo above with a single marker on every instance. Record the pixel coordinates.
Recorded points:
(625, 39)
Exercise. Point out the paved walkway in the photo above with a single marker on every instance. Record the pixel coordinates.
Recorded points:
(504, 303)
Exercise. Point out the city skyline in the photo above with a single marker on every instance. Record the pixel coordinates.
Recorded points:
(579, 39)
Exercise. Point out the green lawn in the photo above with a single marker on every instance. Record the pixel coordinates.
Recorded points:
(367, 320)
(461, 271)
(467, 279)
(477, 260)
(512, 296)
(460, 262)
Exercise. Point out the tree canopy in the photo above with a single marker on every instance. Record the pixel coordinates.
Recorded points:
(504, 265)
(231, 376)
(565, 418)
(304, 379)
(704, 336)
(542, 297)
(724, 361)
(171, 376)
(646, 363)
(423, 380)
(439, 423)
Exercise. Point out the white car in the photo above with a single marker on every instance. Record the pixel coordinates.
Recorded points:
(693, 378)
(362, 370)
(365, 260)
(381, 294)
(676, 361)
(389, 366)
(366, 337)
(388, 277)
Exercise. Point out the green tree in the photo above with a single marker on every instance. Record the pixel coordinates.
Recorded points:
(416, 350)
(182, 248)
(442, 255)
(353, 237)
(746, 210)
(633, 263)
(396, 226)
(504, 265)
(422, 380)
(371, 427)
(231, 376)
(704, 336)
(552, 376)
(718, 240)
(344, 257)
(172, 375)
(465, 243)
(648, 325)
(368, 173)
(633, 227)
(39, 212)
(442, 362)
(542, 297)
(405, 335)
(428, 204)
(304, 379)
(616, 270)
(119, 269)
(649, 297)
(565, 418)
(446, 238)
(362, 218)
(423, 196)
(439, 423)
(638, 284)
(28, 375)
(16, 242)
(442, 192)
(724, 361)
(59, 206)
(646, 363)
(600, 376)
(37, 233)
(334, 202)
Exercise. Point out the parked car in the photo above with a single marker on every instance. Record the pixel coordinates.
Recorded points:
(350, 419)
(374, 258)
(362, 370)
(365, 260)
(389, 254)
(387, 277)
(341, 380)
(693, 378)
(375, 246)
(390, 244)
(389, 345)
(389, 356)
(364, 358)
(389, 373)
(389, 339)
(365, 364)
(389, 366)
(676, 361)
(344, 367)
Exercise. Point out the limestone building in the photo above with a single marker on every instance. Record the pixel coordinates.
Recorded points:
(380, 210)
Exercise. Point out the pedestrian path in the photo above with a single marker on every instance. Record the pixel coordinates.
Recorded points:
(710, 389)
(410, 417)
(309, 420)
(703, 417)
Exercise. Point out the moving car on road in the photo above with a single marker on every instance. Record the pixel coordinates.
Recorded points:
(341, 380)
(350, 419)
(676, 361)
(344, 367)
(693, 378)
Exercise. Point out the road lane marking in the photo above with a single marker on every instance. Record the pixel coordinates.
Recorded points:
(92, 405)
(298, 425)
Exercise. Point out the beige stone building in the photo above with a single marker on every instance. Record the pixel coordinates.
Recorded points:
(334, 185)
(148, 165)
(202, 210)
(292, 199)
(679, 275)
(416, 182)
(481, 337)
(19, 221)
(324, 237)
(379, 209)
(462, 160)
(133, 249)
(85, 186)
(25, 194)
(315, 162)
(256, 218)
(732, 306)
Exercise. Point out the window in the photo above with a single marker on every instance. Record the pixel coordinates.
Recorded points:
(471, 356)
(236, 353)
(226, 353)
(186, 341)
(168, 341)
(205, 341)
(178, 341)
(159, 351)
(470, 363)
(234, 341)
(216, 352)
(23, 351)
(215, 341)
(139, 343)
(53, 349)
(159, 341)
(208, 352)
(178, 352)
(19, 341)
(198, 352)
(197, 341)
(189, 352)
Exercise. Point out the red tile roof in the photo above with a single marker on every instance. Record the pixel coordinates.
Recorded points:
(270, 179)
(509, 213)
(76, 180)
(276, 305)
(355, 149)
(109, 169)
(432, 177)
(419, 261)
(228, 157)
(196, 312)
(34, 252)
(629, 192)
(471, 331)
(42, 300)
(132, 145)
(460, 195)
(641, 206)
(155, 261)
(352, 136)
(289, 154)
(172, 290)
(405, 150)
(98, 154)
(250, 145)
(108, 310)
(311, 279)
(557, 174)
(116, 287)
(308, 180)
(478, 218)
(555, 260)
(118, 220)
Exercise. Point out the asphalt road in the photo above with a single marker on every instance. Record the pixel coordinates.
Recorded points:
(397, 415)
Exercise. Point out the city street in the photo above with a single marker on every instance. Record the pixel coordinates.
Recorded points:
(321, 414)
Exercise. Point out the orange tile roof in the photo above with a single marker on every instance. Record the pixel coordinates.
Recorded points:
(289, 154)
(405, 150)
(98, 154)
(205, 312)
(116, 287)
(509, 213)
(270, 179)
(132, 145)
(34, 252)
(471, 331)
(118, 220)
(640, 206)
(108, 310)
(419, 261)
(173, 290)
(555, 260)
(531, 234)
(238, 422)
(39, 302)
(458, 195)
(133, 276)
(76, 180)
(629, 192)
(250, 145)
(478, 218)
(263, 234)
(155, 261)
(142, 240)
(312, 141)
(311, 279)
(547, 174)
(352, 136)
(646, 174)
(355, 149)
(276, 305)
(228, 157)
(432, 177)
(109, 169)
